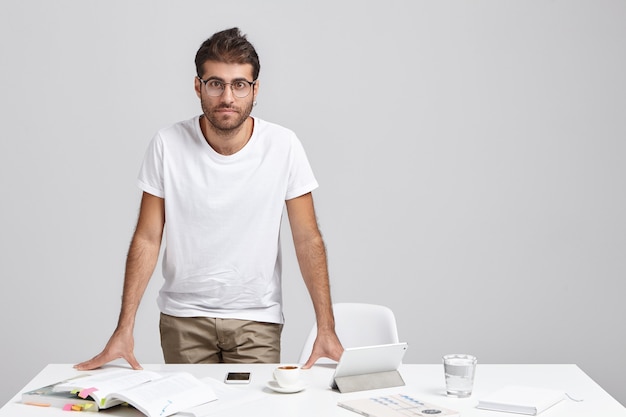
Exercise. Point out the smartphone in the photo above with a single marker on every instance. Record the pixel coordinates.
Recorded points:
(237, 378)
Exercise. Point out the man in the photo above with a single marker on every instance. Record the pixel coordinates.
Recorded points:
(217, 185)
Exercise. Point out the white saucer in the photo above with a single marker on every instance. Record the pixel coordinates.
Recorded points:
(273, 385)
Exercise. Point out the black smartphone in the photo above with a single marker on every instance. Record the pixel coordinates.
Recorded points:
(237, 378)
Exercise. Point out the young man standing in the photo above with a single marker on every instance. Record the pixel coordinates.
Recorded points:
(217, 185)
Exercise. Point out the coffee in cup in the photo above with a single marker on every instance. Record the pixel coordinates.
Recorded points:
(287, 375)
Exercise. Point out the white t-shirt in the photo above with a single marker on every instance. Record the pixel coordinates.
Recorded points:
(222, 219)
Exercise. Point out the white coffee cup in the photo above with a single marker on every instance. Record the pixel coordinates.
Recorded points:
(287, 375)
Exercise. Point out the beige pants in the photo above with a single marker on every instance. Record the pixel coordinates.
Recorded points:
(211, 340)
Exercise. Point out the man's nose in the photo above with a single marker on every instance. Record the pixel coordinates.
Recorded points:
(227, 94)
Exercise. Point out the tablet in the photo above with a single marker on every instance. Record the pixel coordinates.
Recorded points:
(369, 359)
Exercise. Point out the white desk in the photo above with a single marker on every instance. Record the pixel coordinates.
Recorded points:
(425, 382)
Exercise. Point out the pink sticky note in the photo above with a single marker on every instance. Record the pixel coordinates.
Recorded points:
(86, 392)
(67, 407)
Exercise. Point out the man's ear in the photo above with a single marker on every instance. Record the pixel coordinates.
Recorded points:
(255, 89)
(197, 84)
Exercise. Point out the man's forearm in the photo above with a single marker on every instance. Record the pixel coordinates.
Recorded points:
(140, 263)
(312, 259)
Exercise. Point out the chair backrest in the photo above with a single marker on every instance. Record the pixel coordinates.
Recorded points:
(357, 325)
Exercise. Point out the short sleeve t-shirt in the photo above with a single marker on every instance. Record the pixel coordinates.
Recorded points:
(222, 218)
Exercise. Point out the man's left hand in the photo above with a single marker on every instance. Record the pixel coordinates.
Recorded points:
(327, 345)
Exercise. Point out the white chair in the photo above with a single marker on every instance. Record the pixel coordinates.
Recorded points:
(357, 325)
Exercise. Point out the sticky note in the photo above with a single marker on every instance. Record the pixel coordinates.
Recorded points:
(67, 407)
(86, 392)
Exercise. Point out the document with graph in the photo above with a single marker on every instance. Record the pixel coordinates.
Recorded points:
(399, 405)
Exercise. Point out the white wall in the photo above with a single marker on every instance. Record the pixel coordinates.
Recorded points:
(470, 154)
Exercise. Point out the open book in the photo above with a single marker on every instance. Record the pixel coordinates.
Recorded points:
(154, 394)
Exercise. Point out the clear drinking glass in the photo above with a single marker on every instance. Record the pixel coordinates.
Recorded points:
(459, 370)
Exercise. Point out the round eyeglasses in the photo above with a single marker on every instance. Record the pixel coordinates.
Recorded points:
(215, 88)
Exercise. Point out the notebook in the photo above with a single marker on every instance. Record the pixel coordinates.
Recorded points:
(521, 400)
(367, 360)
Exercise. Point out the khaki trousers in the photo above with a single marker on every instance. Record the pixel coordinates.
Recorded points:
(213, 340)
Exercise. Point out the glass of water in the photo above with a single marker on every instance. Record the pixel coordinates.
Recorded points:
(459, 370)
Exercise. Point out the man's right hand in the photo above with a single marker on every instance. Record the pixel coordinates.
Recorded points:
(140, 262)
(120, 345)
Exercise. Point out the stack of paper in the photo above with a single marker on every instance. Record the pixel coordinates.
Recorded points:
(521, 400)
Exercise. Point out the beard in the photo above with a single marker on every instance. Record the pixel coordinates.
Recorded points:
(226, 124)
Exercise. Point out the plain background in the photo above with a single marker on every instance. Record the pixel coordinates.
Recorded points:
(470, 155)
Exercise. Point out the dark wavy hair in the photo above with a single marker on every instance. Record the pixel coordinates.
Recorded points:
(229, 46)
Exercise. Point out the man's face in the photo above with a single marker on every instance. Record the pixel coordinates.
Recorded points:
(226, 112)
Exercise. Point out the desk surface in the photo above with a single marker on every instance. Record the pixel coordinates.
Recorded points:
(425, 382)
